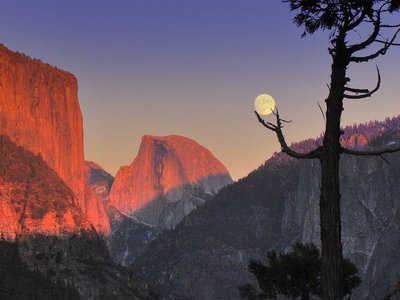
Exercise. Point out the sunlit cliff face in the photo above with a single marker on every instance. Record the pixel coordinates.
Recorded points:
(39, 110)
(33, 197)
(162, 166)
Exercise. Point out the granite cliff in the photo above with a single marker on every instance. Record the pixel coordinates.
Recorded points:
(98, 183)
(98, 180)
(39, 110)
(170, 177)
(165, 166)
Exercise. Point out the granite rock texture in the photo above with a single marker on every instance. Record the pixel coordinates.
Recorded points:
(39, 110)
(170, 177)
(98, 183)
(163, 167)
(33, 198)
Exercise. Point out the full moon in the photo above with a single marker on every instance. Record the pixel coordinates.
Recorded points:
(264, 104)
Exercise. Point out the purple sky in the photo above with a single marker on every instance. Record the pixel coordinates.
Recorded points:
(189, 67)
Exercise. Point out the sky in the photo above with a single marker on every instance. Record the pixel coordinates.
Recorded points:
(193, 68)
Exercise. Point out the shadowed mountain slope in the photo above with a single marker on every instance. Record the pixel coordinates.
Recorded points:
(206, 255)
(18, 282)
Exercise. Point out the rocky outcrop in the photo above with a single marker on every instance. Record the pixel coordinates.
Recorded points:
(96, 213)
(39, 110)
(33, 197)
(170, 177)
(130, 237)
(98, 184)
(206, 255)
(165, 166)
(98, 180)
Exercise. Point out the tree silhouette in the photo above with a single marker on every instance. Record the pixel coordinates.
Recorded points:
(341, 18)
(294, 274)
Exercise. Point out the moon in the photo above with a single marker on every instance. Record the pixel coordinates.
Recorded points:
(264, 104)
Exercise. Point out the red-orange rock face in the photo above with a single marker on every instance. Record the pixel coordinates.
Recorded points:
(355, 141)
(33, 197)
(96, 213)
(162, 166)
(39, 110)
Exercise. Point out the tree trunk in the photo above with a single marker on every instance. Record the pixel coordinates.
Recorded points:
(331, 250)
(331, 244)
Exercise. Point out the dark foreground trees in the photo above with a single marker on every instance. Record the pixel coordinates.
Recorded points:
(343, 19)
(295, 274)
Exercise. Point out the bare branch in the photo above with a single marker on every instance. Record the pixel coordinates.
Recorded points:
(316, 153)
(384, 42)
(370, 39)
(390, 26)
(357, 22)
(357, 91)
(322, 112)
(370, 152)
(381, 51)
(364, 93)
(276, 114)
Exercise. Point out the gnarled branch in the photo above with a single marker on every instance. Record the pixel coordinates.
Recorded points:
(277, 128)
(356, 22)
(370, 152)
(384, 42)
(381, 51)
(390, 25)
(363, 93)
(370, 39)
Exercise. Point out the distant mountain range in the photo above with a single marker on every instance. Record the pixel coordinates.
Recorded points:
(206, 255)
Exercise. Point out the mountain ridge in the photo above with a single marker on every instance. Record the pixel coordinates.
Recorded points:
(206, 256)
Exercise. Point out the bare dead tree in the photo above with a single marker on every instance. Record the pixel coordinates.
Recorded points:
(341, 18)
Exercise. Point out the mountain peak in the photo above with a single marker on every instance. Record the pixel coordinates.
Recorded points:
(164, 164)
(166, 138)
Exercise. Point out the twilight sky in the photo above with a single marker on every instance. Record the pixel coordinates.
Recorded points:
(189, 67)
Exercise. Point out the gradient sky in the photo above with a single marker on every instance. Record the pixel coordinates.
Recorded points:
(189, 67)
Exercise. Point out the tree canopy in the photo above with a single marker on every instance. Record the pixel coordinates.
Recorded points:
(331, 14)
(294, 274)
